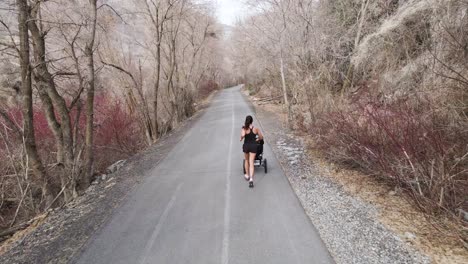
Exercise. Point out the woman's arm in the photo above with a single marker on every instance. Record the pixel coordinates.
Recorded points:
(259, 133)
(242, 134)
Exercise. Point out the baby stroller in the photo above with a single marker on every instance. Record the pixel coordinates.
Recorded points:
(259, 160)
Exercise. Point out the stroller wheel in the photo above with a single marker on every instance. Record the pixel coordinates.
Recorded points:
(265, 165)
(243, 166)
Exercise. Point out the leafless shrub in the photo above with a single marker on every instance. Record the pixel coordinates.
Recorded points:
(384, 83)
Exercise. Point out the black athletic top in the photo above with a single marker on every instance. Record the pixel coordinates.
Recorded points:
(250, 138)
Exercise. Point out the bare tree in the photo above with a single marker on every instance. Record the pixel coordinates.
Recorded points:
(27, 103)
(67, 95)
(89, 53)
(52, 101)
(159, 13)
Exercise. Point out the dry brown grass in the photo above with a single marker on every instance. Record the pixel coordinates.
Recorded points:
(35, 222)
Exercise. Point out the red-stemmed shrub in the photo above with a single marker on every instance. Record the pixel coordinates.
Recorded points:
(117, 135)
(413, 145)
(117, 132)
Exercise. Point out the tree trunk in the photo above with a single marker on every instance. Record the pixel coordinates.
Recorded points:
(173, 65)
(52, 101)
(49, 112)
(310, 99)
(170, 87)
(27, 103)
(89, 137)
(285, 91)
(43, 75)
(158, 74)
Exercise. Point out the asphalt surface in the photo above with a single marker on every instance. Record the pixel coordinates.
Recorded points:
(196, 207)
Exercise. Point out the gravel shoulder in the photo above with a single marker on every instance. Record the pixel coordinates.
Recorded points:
(58, 235)
(349, 225)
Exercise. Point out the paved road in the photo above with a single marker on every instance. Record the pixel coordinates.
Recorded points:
(195, 206)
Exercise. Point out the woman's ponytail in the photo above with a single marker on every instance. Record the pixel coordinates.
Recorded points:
(248, 122)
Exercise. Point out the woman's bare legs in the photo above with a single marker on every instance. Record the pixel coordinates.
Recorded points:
(251, 164)
(246, 166)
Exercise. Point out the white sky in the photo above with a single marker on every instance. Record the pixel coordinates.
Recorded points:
(229, 10)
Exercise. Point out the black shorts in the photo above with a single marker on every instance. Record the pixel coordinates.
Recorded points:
(250, 148)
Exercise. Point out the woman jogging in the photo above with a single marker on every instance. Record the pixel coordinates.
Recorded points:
(249, 134)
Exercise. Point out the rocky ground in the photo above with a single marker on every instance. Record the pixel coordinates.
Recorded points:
(359, 219)
(58, 235)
